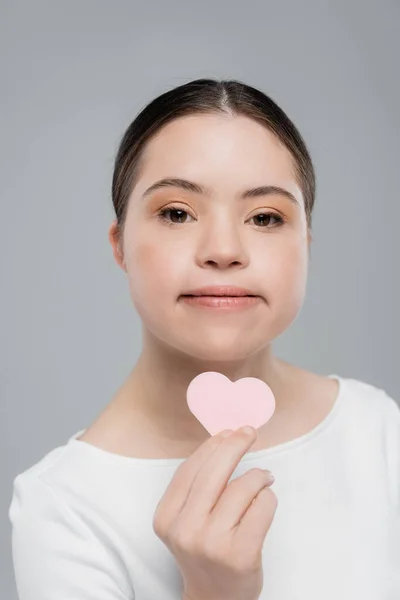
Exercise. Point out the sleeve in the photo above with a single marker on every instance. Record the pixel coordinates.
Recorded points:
(392, 454)
(55, 556)
(392, 449)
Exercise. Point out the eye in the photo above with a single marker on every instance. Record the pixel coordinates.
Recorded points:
(268, 215)
(180, 213)
(172, 209)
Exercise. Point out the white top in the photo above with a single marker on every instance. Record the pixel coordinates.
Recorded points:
(82, 517)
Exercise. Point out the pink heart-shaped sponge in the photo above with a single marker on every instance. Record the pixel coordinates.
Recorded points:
(218, 403)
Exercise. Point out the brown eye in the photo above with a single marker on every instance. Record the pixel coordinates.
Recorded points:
(267, 217)
(179, 218)
(179, 214)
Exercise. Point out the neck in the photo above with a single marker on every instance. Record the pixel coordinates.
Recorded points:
(156, 388)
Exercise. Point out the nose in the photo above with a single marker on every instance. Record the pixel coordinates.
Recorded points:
(222, 245)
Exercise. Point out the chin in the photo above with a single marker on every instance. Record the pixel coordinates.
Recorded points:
(220, 347)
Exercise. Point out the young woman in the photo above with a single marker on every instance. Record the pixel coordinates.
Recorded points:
(214, 187)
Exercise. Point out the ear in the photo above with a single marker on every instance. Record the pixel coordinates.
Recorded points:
(114, 238)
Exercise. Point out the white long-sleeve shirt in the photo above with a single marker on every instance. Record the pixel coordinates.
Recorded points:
(82, 516)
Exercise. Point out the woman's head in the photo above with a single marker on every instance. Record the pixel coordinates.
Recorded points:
(219, 139)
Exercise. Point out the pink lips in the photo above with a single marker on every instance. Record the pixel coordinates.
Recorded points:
(222, 302)
(220, 290)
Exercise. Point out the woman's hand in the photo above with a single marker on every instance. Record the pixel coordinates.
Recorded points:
(214, 530)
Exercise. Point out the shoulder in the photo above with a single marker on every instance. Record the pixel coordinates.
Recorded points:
(373, 407)
(49, 486)
(56, 539)
(379, 414)
(30, 490)
(366, 395)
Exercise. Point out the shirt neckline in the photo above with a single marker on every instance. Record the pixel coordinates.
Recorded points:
(120, 459)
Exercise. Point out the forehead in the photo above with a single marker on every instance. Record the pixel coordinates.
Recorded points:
(222, 151)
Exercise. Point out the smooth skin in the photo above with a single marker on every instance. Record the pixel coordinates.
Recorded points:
(216, 530)
(220, 240)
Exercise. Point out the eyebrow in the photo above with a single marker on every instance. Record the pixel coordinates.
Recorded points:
(264, 190)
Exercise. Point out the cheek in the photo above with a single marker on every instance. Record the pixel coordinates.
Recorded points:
(151, 275)
(146, 258)
(286, 275)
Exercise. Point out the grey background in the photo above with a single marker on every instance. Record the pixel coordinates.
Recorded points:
(73, 76)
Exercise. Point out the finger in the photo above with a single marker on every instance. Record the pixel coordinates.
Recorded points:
(236, 500)
(255, 523)
(214, 474)
(177, 491)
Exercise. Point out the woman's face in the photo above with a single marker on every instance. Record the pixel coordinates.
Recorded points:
(260, 243)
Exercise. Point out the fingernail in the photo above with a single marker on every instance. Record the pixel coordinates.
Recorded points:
(226, 432)
(271, 478)
(248, 430)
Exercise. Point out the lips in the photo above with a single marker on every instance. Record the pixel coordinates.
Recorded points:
(219, 295)
(222, 302)
(220, 290)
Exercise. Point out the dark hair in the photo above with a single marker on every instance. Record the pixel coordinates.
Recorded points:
(206, 96)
